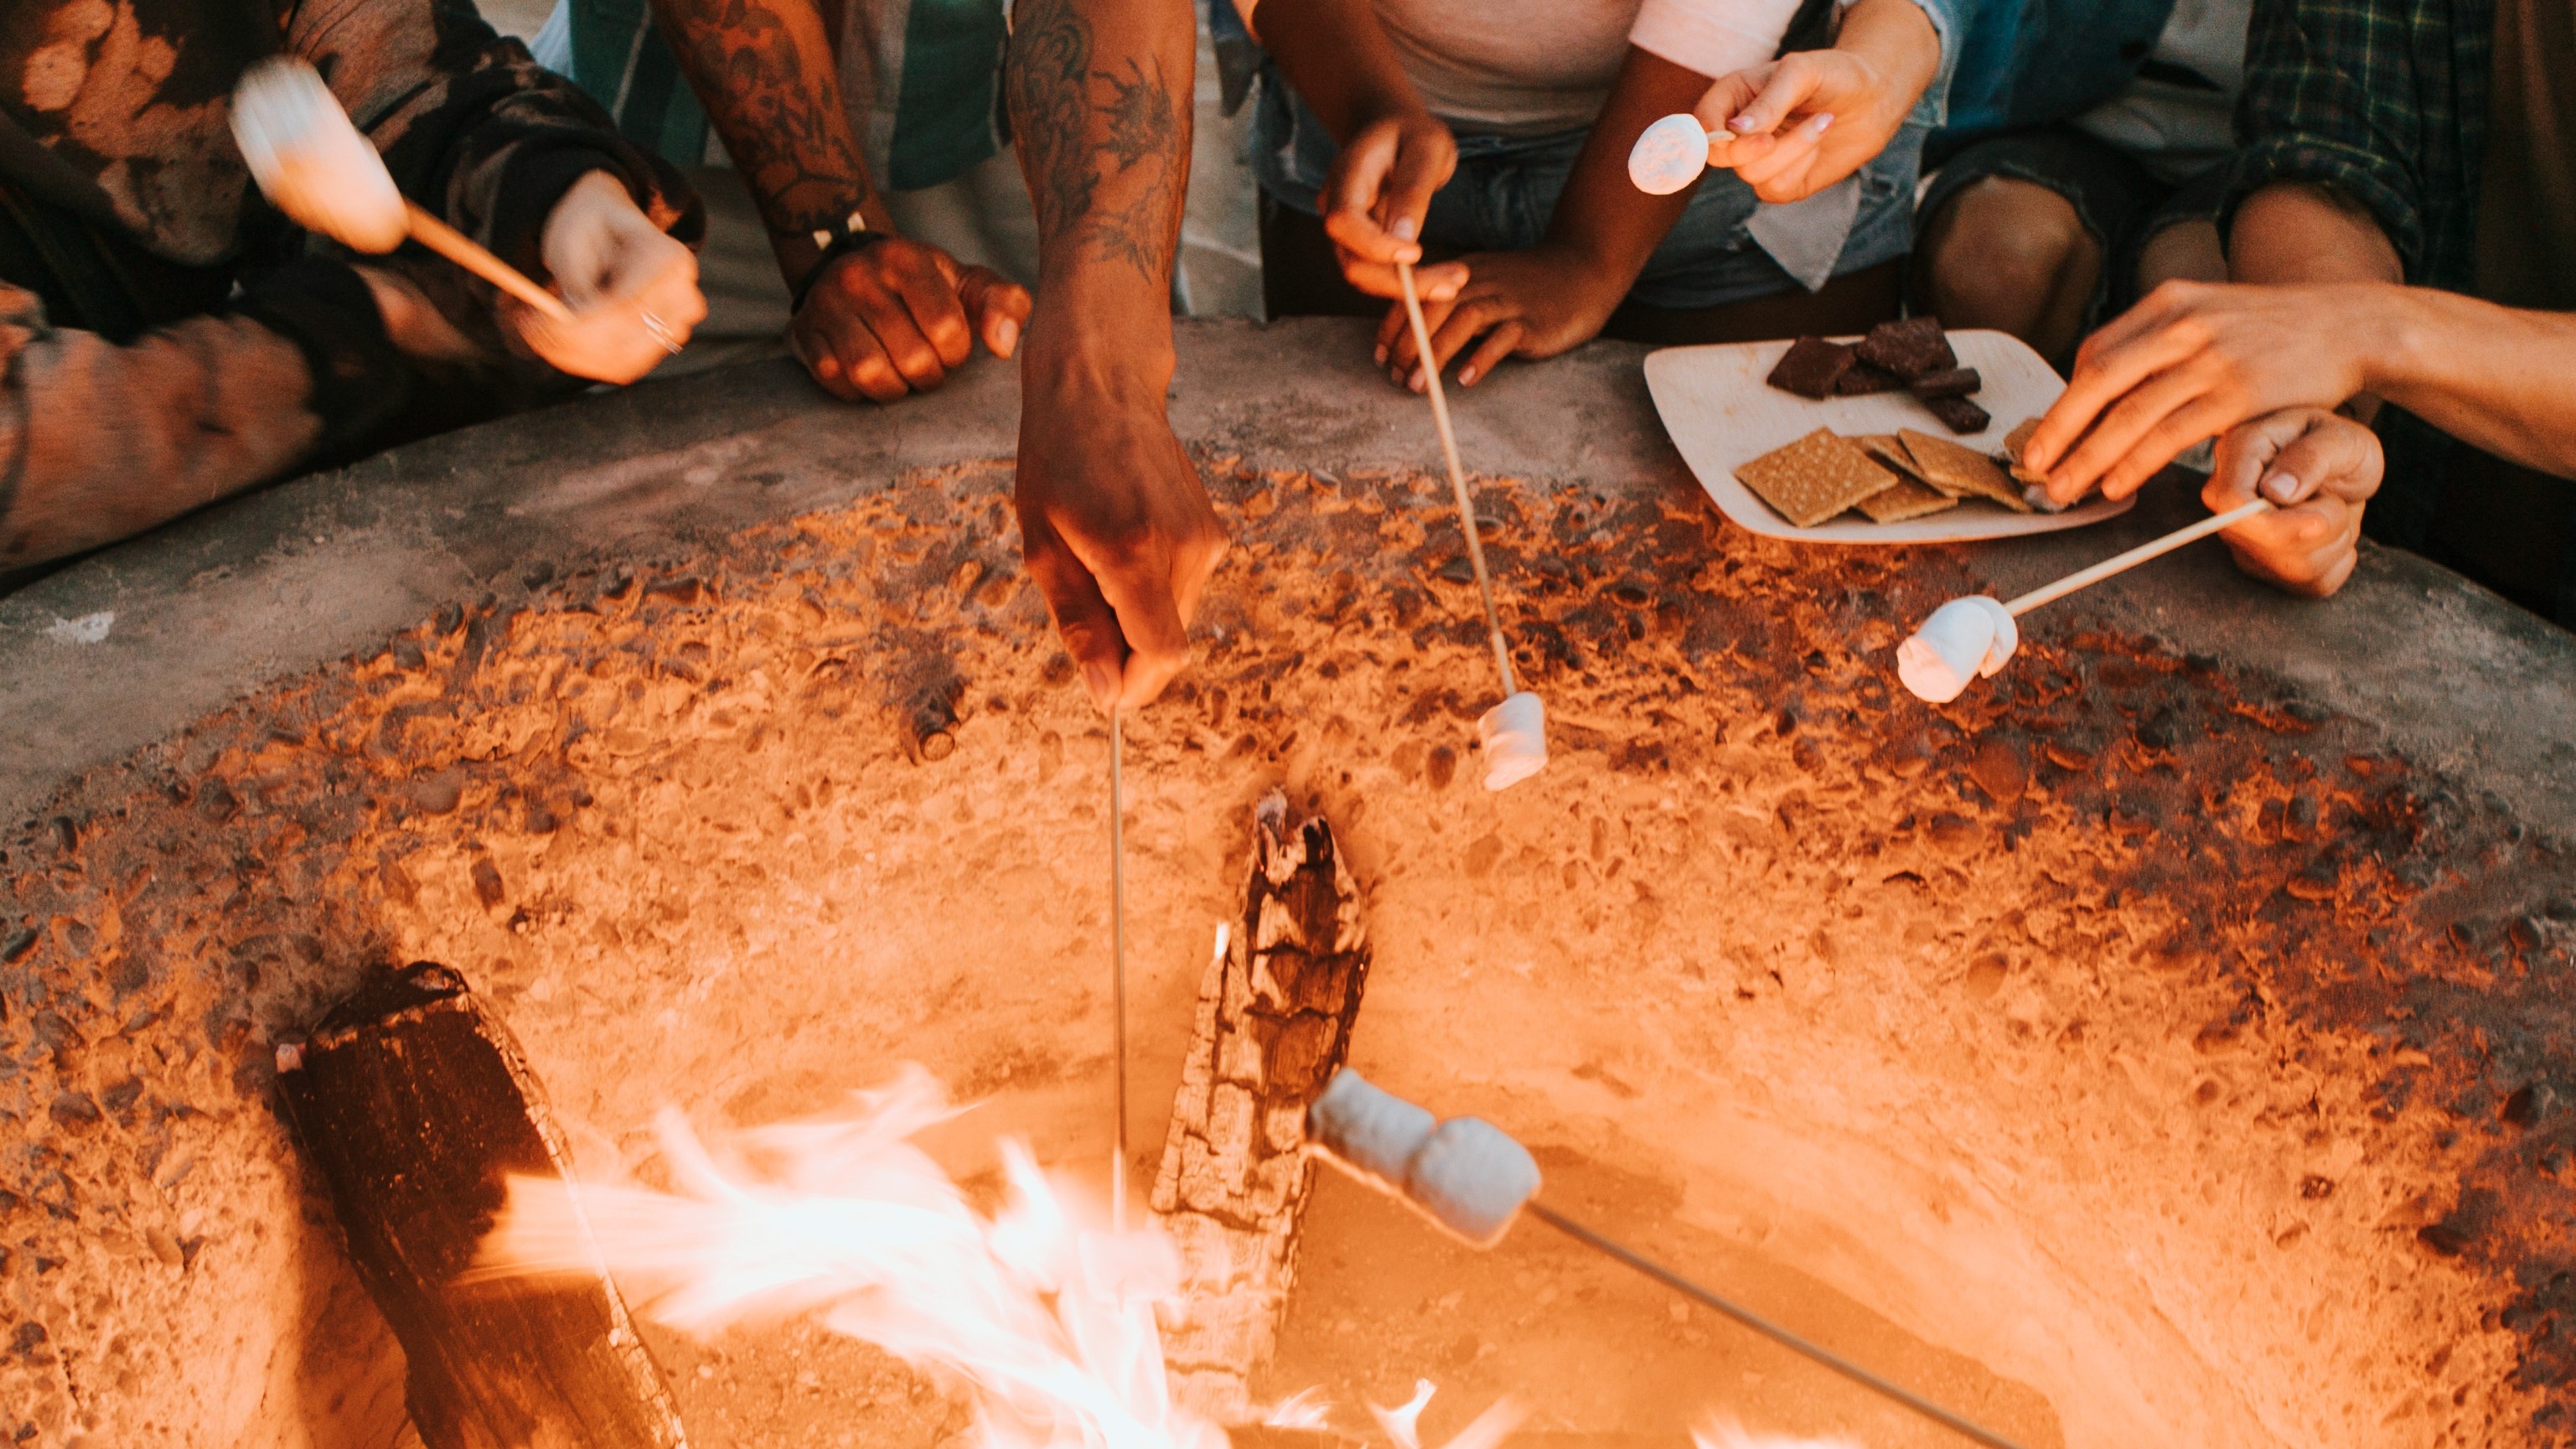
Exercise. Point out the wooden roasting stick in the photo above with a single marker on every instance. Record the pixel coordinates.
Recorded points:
(413, 1105)
(474, 257)
(1457, 474)
(1273, 1025)
(2121, 563)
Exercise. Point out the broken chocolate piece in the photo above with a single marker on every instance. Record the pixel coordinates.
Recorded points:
(1909, 348)
(1862, 379)
(1811, 367)
(1958, 414)
(1948, 382)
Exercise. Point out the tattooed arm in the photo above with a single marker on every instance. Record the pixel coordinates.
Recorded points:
(1117, 529)
(877, 322)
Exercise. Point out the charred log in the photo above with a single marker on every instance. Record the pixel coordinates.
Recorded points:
(1273, 1025)
(414, 1106)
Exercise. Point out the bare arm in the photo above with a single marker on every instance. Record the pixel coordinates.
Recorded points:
(763, 70)
(1117, 529)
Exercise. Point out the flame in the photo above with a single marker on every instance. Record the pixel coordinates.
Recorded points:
(1051, 1324)
(1487, 1430)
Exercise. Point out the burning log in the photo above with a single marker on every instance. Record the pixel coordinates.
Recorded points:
(1273, 1025)
(414, 1105)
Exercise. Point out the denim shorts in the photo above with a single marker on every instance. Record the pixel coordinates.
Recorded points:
(1506, 187)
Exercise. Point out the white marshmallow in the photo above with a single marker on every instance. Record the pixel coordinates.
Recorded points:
(1465, 1174)
(311, 162)
(1964, 638)
(1514, 734)
(1669, 156)
(1472, 1178)
(1371, 1131)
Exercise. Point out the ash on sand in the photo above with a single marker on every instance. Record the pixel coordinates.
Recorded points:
(2124, 1054)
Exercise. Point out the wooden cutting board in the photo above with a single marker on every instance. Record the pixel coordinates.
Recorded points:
(1721, 413)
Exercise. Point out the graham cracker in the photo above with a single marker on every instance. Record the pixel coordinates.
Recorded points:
(1961, 471)
(1908, 499)
(2014, 442)
(1814, 478)
(1888, 451)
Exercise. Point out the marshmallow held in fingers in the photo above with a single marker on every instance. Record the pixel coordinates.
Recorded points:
(1964, 638)
(1465, 1174)
(1670, 155)
(311, 162)
(1514, 734)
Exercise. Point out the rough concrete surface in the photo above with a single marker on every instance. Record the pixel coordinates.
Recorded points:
(2167, 1043)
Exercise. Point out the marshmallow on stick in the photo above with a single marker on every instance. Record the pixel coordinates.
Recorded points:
(1514, 732)
(1972, 637)
(1670, 154)
(314, 165)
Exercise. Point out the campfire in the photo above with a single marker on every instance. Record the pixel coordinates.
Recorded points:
(2088, 1055)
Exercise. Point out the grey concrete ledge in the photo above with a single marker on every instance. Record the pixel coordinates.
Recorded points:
(273, 584)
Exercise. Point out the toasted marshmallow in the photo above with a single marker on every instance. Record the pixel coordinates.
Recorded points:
(1963, 639)
(311, 162)
(1515, 739)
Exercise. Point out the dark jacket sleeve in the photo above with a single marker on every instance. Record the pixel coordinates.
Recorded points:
(471, 126)
(100, 441)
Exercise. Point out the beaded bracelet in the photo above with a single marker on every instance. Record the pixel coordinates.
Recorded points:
(852, 236)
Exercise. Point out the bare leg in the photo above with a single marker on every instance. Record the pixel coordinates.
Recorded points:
(2187, 251)
(2013, 256)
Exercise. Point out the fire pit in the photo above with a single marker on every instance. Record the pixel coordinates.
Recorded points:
(2156, 1048)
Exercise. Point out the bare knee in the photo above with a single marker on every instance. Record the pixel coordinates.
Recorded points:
(2001, 248)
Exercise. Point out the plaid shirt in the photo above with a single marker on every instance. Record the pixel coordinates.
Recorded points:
(2384, 101)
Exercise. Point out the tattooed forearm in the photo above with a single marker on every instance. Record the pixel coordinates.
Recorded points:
(764, 71)
(1106, 147)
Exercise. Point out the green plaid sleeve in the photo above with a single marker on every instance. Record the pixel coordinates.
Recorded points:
(2382, 101)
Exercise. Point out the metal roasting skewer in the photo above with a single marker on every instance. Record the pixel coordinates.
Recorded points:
(1474, 1180)
(1457, 474)
(1118, 969)
(1814, 1352)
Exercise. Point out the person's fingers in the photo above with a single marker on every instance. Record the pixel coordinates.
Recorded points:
(1498, 344)
(925, 281)
(1725, 99)
(997, 306)
(1435, 283)
(1351, 195)
(1422, 166)
(2341, 459)
(1784, 93)
(899, 340)
(2118, 430)
(2175, 434)
(1402, 356)
(1465, 322)
(1083, 616)
(2101, 380)
(1787, 172)
(1137, 583)
(1390, 328)
(862, 356)
(814, 349)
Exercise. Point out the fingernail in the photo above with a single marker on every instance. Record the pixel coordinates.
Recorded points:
(1381, 354)
(1739, 124)
(1405, 229)
(1101, 678)
(2280, 487)
(1823, 123)
(1466, 377)
(1007, 334)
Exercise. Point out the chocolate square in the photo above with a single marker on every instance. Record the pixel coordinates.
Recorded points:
(1948, 382)
(1958, 414)
(1909, 348)
(1811, 367)
(1862, 379)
